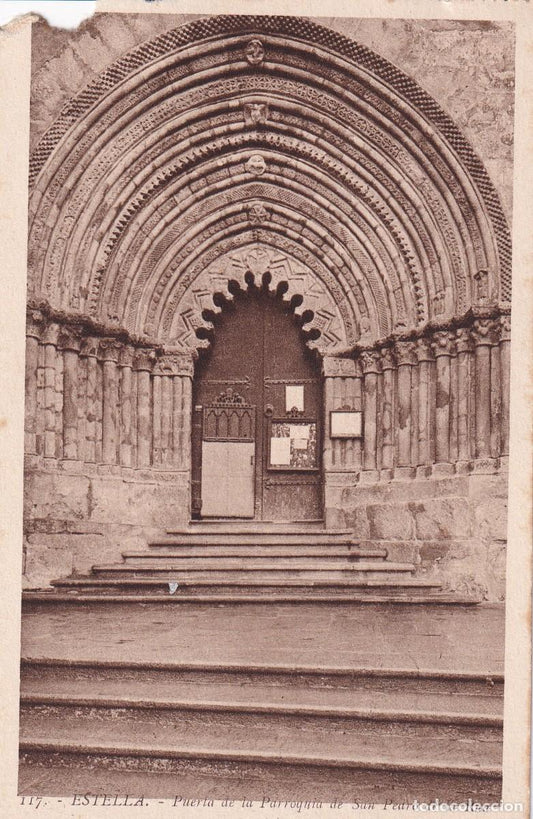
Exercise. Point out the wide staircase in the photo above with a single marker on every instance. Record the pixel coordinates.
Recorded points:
(297, 665)
(249, 561)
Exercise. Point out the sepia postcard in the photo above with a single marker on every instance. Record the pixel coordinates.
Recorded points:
(266, 346)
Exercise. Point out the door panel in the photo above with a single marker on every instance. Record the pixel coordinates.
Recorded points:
(257, 355)
(228, 479)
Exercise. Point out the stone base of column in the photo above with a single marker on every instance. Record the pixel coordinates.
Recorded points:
(485, 466)
(386, 474)
(369, 476)
(423, 471)
(404, 472)
(463, 468)
(443, 469)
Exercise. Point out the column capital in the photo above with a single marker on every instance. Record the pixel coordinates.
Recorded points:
(405, 353)
(126, 356)
(423, 349)
(463, 340)
(333, 366)
(69, 339)
(50, 334)
(109, 350)
(443, 343)
(144, 359)
(388, 359)
(89, 348)
(505, 328)
(484, 331)
(370, 361)
(35, 323)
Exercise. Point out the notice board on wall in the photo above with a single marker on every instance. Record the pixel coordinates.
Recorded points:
(293, 444)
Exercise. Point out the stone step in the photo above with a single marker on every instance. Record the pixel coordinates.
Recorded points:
(473, 749)
(113, 595)
(249, 583)
(251, 538)
(297, 784)
(329, 551)
(250, 525)
(460, 699)
(241, 566)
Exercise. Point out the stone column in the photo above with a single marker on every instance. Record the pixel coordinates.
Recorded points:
(405, 357)
(388, 366)
(505, 362)
(126, 406)
(50, 352)
(482, 334)
(34, 329)
(463, 343)
(89, 351)
(109, 353)
(495, 394)
(143, 365)
(443, 349)
(70, 344)
(342, 389)
(181, 367)
(425, 359)
(370, 362)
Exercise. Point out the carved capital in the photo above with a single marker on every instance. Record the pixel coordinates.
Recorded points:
(340, 367)
(174, 364)
(463, 340)
(424, 351)
(35, 323)
(405, 352)
(388, 360)
(126, 357)
(89, 348)
(50, 334)
(484, 331)
(505, 328)
(144, 360)
(370, 361)
(442, 343)
(69, 339)
(109, 350)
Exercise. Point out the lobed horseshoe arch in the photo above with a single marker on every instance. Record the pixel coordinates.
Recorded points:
(274, 133)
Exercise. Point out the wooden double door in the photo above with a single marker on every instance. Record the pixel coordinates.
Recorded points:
(257, 418)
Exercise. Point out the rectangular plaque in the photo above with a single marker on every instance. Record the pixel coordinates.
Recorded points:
(294, 397)
(346, 424)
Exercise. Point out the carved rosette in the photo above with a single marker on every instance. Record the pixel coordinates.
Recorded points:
(254, 52)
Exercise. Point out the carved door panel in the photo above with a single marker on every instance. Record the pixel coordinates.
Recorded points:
(257, 398)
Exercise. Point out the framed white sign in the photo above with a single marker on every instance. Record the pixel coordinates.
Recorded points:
(346, 424)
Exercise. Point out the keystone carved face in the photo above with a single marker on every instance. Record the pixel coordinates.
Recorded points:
(256, 165)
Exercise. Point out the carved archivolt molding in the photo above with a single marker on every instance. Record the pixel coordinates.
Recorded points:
(218, 136)
(252, 264)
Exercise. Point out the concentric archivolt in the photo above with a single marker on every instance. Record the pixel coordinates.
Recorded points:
(199, 148)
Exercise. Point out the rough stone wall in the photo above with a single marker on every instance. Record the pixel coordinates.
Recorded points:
(467, 66)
